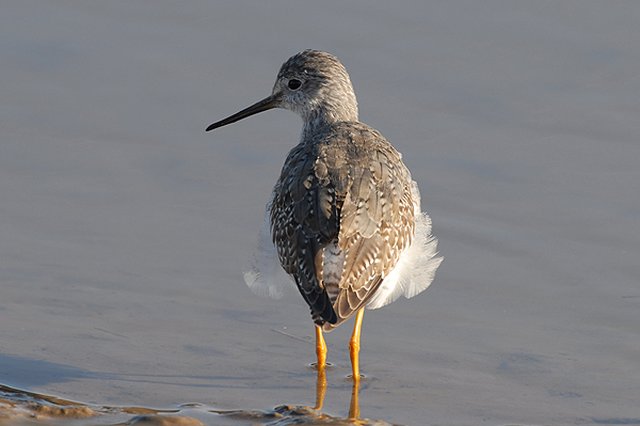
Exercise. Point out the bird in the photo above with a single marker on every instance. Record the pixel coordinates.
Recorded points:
(344, 219)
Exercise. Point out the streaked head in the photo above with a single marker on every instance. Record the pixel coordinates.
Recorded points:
(313, 84)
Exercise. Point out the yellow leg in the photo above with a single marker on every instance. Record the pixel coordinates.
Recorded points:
(321, 349)
(321, 383)
(354, 345)
(354, 407)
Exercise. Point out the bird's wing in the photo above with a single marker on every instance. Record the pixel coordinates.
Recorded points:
(303, 220)
(376, 212)
(349, 186)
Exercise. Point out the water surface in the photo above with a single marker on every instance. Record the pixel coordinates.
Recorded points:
(124, 228)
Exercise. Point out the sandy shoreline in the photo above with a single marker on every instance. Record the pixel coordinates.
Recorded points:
(19, 407)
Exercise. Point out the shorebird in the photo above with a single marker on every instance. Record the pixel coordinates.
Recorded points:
(345, 215)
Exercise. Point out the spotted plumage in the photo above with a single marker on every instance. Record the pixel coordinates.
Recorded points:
(345, 188)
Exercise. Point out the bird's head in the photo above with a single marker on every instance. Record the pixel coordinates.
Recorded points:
(313, 84)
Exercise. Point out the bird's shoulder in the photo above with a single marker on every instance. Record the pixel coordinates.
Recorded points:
(368, 175)
(347, 169)
(353, 143)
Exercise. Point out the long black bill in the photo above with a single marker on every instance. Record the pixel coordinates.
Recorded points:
(267, 103)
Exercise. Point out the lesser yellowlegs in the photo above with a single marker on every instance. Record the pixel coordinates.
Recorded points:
(345, 214)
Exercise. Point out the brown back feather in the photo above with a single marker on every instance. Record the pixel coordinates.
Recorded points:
(347, 184)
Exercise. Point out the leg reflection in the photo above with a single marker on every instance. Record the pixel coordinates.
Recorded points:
(321, 391)
(321, 388)
(354, 407)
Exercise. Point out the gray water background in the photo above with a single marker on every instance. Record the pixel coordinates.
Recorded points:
(124, 228)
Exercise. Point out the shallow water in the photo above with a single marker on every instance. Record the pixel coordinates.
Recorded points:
(124, 228)
(19, 407)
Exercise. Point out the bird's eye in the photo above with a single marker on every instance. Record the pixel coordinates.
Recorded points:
(294, 84)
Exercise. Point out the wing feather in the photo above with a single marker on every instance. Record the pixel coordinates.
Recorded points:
(376, 217)
(300, 229)
(346, 189)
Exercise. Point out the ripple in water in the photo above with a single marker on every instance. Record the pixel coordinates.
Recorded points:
(19, 407)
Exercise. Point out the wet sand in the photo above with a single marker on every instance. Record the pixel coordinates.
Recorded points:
(125, 228)
(19, 407)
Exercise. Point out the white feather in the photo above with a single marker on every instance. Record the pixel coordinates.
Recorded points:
(412, 275)
(265, 276)
(417, 266)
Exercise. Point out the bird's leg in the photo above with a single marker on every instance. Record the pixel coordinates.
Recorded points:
(321, 349)
(321, 388)
(321, 383)
(354, 407)
(354, 345)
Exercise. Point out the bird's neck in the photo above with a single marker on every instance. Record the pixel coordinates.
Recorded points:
(324, 115)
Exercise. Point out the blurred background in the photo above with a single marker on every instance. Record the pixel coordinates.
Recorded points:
(124, 228)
